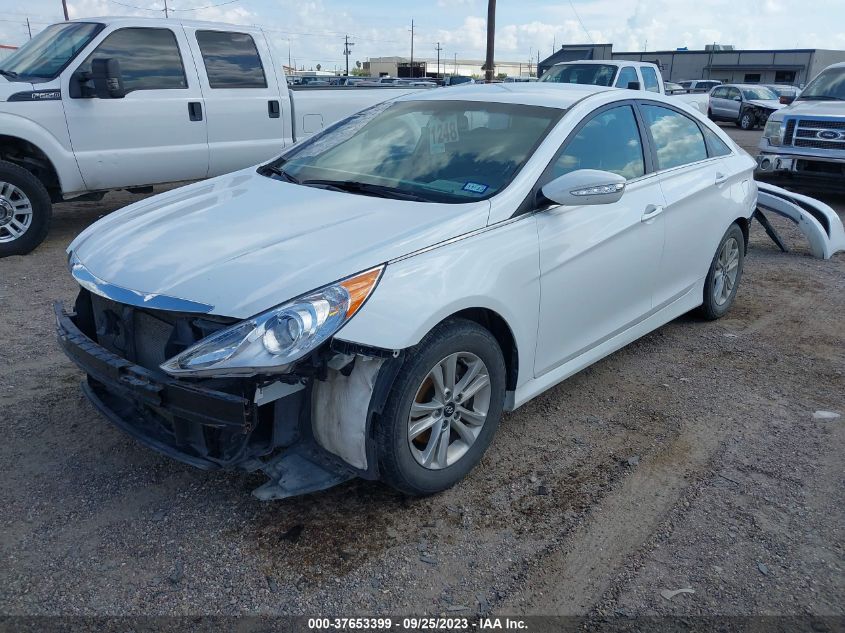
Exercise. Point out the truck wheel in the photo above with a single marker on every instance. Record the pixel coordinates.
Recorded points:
(443, 409)
(747, 120)
(25, 210)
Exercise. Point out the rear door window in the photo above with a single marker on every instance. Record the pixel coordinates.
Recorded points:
(677, 138)
(231, 60)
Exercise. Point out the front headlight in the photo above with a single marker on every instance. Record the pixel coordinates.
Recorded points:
(270, 342)
(773, 132)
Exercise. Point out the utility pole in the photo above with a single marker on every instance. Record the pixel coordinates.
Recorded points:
(64, 8)
(165, 8)
(491, 35)
(412, 49)
(438, 49)
(28, 28)
(456, 64)
(347, 52)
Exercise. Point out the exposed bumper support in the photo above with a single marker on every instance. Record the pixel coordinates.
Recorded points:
(205, 427)
(817, 221)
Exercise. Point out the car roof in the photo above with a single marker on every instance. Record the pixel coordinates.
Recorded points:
(743, 86)
(606, 62)
(134, 20)
(551, 95)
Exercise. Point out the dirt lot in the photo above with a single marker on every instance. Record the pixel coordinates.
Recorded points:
(689, 459)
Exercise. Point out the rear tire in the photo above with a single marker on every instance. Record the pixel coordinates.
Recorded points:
(25, 210)
(725, 273)
(461, 420)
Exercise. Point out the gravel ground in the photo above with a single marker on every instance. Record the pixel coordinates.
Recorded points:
(690, 459)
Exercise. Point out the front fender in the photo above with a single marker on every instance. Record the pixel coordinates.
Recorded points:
(495, 269)
(56, 148)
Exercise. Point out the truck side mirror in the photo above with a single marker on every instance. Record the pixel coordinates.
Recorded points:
(633, 85)
(108, 82)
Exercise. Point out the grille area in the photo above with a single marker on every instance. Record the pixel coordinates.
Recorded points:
(789, 132)
(806, 134)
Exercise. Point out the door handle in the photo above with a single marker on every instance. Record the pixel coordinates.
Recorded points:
(195, 111)
(720, 178)
(273, 109)
(651, 212)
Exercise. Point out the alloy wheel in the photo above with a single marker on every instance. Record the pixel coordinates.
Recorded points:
(727, 268)
(15, 212)
(449, 410)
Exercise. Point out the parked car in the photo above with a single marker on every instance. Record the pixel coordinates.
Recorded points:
(803, 144)
(699, 85)
(672, 88)
(618, 74)
(394, 283)
(456, 80)
(786, 94)
(746, 105)
(88, 106)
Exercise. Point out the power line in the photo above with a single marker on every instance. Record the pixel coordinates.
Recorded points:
(210, 6)
(580, 22)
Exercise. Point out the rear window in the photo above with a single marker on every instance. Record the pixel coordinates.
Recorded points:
(650, 79)
(677, 138)
(587, 74)
(231, 60)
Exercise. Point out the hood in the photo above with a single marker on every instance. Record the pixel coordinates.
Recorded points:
(815, 108)
(770, 104)
(8, 88)
(244, 242)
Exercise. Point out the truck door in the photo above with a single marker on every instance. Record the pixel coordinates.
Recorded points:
(157, 132)
(248, 111)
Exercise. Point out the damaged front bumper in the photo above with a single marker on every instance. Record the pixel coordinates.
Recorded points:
(233, 424)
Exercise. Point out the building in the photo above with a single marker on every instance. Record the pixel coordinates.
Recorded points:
(782, 66)
(427, 67)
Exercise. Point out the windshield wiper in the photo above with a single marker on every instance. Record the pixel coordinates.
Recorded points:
(365, 188)
(278, 171)
(11, 74)
(820, 98)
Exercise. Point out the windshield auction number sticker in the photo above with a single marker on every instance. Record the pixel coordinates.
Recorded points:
(442, 131)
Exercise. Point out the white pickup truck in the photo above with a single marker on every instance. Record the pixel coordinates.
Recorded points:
(94, 105)
(619, 73)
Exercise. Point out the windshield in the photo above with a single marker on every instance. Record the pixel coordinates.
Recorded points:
(433, 151)
(758, 93)
(830, 84)
(589, 74)
(49, 52)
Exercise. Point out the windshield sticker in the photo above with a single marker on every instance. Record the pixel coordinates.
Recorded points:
(474, 187)
(442, 131)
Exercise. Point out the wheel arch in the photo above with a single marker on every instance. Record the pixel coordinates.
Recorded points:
(29, 156)
(744, 225)
(494, 323)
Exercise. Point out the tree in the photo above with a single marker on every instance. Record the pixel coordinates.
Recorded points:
(319, 67)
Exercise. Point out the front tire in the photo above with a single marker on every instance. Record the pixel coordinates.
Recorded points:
(725, 272)
(747, 120)
(25, 210)
(443, 409)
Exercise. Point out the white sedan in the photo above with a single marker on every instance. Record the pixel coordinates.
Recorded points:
(372, 301)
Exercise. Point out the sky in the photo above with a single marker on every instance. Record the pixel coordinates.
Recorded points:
(313, 30)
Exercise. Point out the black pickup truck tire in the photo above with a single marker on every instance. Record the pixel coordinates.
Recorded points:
(25, 210)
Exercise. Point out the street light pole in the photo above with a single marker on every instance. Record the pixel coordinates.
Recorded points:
(412, 49)
(438, 49)
(64, 8)
(491, 34)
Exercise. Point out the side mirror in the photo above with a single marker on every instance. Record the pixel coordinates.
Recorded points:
(786, 99)
(108, 82)
(633, 85)
(585, 186)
